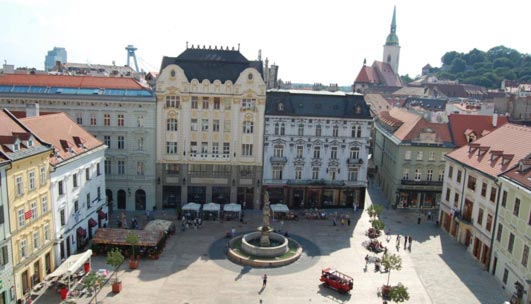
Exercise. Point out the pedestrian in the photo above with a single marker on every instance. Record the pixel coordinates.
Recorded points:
(405, 241)
(264, 280)
(348, 221)
(418, 219)
(366, 260)
(429, 215)
(355, 207)
(388, 235)
(410, 241)
(398, 242)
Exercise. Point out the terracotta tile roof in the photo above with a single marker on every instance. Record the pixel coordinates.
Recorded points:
(63, 134)
(367, 74)
(464, 124)
(521, 173)
(70, 81)
(409, 126)
(409, 121)
(377, 102)
(10, 131)
(386, 74)
(496, 152)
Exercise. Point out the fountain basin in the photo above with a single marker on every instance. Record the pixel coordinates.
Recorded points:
(265, 252)
(237, 255)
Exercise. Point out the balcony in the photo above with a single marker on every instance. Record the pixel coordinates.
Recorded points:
(355, 161)
(281, 160)
(317, 182)
(410, 182)
(209, 156)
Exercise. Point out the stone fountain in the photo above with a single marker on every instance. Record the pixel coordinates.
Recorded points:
(264, 248)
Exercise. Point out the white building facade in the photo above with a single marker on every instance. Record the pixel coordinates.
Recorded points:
(316, 148)
(6, 256)
(210, 109)
(118, 111)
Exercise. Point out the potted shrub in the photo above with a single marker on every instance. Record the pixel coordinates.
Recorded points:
(133, 239)
(115, 259)
(399, 293)
(92, 281)
(390, 262)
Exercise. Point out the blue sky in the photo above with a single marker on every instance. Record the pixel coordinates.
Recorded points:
(311, 41)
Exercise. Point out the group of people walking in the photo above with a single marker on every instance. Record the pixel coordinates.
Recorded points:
(407, 239)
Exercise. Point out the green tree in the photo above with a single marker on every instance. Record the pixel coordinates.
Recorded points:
(115, 259)
(449, 57)
(458, 65)
(378, 225)
(399, 293)
(132, 238)
(391, 262)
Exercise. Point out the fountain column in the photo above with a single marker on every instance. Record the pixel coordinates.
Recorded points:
(265, 229)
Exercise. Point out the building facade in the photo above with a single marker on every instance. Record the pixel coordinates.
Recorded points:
(471, 192)
(409, 158)
(30, 213)
(7, 288)
(120, 112)
(510, 261)
(316, 148)
(53, 56)
(210, 109)
(77, 181)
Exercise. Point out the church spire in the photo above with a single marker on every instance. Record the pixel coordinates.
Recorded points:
(392, 38)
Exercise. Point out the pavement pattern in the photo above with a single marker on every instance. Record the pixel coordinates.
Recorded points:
(193, 268)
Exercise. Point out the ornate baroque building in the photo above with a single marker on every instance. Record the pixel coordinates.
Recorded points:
(210, 109)
(316, 148)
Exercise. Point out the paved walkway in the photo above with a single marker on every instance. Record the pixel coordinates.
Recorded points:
(193, 268)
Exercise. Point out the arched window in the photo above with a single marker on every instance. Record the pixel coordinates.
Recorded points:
(171, 124)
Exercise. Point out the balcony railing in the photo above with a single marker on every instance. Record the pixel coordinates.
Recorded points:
(320, 182)
(411, 182)
(354, 161)
(278, 159)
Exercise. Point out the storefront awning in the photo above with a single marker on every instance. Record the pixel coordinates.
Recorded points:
(81, 232)
(102, 215)
(71, 265)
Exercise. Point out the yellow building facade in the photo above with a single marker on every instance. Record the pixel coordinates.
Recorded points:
(30, 210)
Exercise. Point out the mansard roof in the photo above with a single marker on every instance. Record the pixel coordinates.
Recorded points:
(212, 64)
(316, 104)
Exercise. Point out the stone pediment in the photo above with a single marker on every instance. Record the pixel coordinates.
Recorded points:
(279, 141)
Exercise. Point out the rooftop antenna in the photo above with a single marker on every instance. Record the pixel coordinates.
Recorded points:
(260, 55)
(238, 47)
(131, 53)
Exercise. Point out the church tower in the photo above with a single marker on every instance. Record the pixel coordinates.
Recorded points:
(391, 53)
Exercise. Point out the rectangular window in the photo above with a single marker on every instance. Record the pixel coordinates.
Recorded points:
(429, 175)
(193, 124)
(480, 216)
(139, 168)
(441, 175)
(333, 153)
(121, 142)
(204, 125)
(419, 155)
(62, 217)
(107, 165)
(217, 102)
(484, 189)
(98, 193)
(459, 175)
(140, 143)
(215, 148)
(278, 151)
(194, 102)
(22, 248)
(499, 232)
(171, 147)
(315, 173)
(447, 197)
(215, 125)
(76, 206)
(205, 103)
(353, 174)
(31, 178)
(525, 255)
(193, 148)
(106, 119)
(407, 155)
(121, 167)
(431, 156)
(60, 188)
(87, 174)
(121, 121)
(471, 184)
(226, 126)
(204, 147)
(504, 198)
(418, 175)
(405, 174)
(277, 173)
(226, 103)
(140, 120)
(510, 246)
(74, 180)
(493, 192)
(248, 103)
(226, 148)
(43, 175)
(172, 101)
(21, 218)
(20, 185)
(172, 169)
(298, 173)
(516, 210)
(456, 200)
(247, 150)
(299, 151)
(44, 204)
(34, 210)
(88, 200)
(489, 222)
(46, 232)
(107, 140)
(4, 256)
(317, 152)
(35, 240)
(450, 172)
(301, 130)
(79, 118)
(93, 119)
(505, 276)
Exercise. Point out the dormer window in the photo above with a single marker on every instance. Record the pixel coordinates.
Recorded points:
(357, 109)
(16, 145)
(30, 142)
(280, 106)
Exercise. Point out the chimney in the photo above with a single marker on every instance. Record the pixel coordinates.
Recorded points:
(32, 109)
(495, 120)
